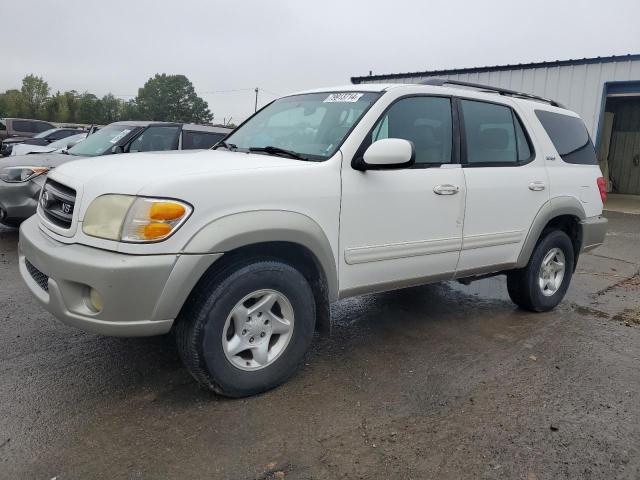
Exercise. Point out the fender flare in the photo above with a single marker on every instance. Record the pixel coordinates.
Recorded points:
(555, 207)
(247, 228)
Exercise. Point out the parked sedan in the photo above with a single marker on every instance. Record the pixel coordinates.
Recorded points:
(42, 138)
(62, 144)
(22, 177)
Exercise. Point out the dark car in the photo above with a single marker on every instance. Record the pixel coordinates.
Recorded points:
(22, 176)
(41, 139)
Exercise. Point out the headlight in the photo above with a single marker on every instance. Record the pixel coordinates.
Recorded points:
(134, 219)
(21, 174)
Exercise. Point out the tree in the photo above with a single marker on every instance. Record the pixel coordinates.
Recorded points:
(171, 98)
(34, 93)
(89, 109)
(12, 104)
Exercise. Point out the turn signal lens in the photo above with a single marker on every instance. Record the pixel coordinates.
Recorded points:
(153, 231)
(166, 211)
(153, 219)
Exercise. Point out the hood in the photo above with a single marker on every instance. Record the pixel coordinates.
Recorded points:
(130, 172)
(49, 159)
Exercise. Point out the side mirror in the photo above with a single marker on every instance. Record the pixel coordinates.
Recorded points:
(389, 153)
(117, 149)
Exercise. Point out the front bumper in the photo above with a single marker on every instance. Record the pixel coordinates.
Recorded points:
(594, 230)
(19, 201)
(141, 294)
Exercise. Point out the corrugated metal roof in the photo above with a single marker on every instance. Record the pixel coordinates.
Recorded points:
(495, 68)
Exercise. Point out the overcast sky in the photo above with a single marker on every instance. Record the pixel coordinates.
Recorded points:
(286, 45)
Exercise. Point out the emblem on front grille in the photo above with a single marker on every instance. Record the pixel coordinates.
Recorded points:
(66, 208)
(45, 199)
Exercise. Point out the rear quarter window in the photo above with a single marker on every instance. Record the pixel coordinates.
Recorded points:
(569, 136)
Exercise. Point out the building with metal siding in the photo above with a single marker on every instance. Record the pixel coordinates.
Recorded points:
(596, 88)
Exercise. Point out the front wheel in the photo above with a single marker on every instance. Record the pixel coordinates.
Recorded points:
(247, 327)
(542, 284)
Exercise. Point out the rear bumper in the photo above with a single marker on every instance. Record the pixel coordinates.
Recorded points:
(141, 294)
(594, 230)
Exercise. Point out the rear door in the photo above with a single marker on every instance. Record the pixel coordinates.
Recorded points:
(506, 182)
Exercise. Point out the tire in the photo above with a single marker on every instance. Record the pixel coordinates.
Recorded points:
(11, 223)
(207, 333)
(524, 285)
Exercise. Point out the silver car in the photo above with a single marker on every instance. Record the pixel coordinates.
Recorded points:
(22, 176)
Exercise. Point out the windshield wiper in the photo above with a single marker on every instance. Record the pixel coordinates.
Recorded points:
(222, 143)
(278, 151)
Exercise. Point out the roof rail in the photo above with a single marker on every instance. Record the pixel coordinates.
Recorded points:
(439, 82)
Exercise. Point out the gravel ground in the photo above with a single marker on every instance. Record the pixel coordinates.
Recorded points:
(443, 381)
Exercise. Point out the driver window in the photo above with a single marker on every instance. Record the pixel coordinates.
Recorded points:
(425, 121)
(156, 139)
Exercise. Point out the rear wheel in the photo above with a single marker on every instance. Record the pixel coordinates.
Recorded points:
(542, 284)
(247, 327)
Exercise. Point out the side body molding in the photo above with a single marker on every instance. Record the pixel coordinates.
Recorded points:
(555, 207)
(247, 228)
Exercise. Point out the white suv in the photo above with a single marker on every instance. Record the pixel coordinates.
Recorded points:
(319, 196)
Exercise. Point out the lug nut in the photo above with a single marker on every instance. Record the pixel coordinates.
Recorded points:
(266, 322)
(244, 332)
(262, 334)
(259, 314)
(251, 340)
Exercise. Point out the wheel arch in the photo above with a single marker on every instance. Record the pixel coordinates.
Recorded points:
(561, 213)
(288, 236)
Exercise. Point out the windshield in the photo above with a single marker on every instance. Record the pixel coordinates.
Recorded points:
(45, 133)
(312, 125)
(63, 142)
(102, 141)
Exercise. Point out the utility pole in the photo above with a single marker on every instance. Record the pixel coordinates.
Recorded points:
(256, 105)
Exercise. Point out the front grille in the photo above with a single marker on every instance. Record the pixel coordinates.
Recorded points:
(57, 202)
(39, 277)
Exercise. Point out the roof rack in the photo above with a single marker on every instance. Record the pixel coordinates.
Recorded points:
(439, 82)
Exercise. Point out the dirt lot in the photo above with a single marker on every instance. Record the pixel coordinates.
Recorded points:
(444, 381)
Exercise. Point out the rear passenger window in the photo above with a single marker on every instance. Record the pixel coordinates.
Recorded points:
(425, 121)
(569, 136)
(493, 134)
(22, 126)
(200, 140)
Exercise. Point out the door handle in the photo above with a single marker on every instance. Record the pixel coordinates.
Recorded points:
(446, 189)
(537, 186)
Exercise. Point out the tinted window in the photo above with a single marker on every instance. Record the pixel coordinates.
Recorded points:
(41, 127)
(569, 136)
(493, 134)
(156, 139)
(22, 126)
(425, 121)
(197, 140)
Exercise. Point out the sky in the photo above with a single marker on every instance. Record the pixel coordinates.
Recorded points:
(281, 46)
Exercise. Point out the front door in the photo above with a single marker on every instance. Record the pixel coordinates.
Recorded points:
(403, 227)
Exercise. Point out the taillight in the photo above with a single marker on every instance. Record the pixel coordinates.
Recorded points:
(603, 189)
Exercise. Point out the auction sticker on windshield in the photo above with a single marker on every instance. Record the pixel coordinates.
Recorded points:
(343, 97)
(120, 136)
